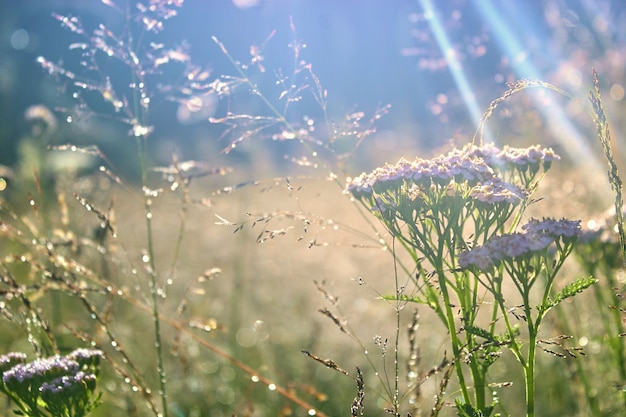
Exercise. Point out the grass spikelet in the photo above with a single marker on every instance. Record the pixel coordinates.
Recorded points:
(357, 404)
(604, 136)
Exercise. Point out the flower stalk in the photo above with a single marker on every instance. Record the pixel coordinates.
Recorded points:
(457, 216)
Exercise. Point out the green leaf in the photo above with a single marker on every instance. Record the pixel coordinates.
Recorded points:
(480, 332)
(405, 298)
(468, 410)
(568, 291)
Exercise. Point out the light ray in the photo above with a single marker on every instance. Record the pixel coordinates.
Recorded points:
(559, 124)
(454, 64)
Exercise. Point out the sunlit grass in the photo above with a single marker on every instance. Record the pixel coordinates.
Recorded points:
(261, 288)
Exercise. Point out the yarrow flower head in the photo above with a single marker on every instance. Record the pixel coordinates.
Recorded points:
(558, 228)
(522, 164)
(62, 385)
(11, 359)
(88, 359)
(496, 191)
(39, 370)
(532, 157)
(538, 235)
(440, 170)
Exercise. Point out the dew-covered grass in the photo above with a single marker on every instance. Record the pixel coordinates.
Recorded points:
(282, 266)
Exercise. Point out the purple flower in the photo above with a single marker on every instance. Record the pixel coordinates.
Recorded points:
(537, 236)
(67, 383)
(496, 191)
(520, 157)
(440, 170)
(10, 360)
(46, 369)
(558, 228)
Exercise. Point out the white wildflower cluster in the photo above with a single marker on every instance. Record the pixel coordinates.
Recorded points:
(496, 190)
(537, 236)
(441, 169)
(477, 167)
(61, 385)
(520, 157)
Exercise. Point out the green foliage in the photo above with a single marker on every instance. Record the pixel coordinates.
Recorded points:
(463, 251)
(566, 292)
(467, 410)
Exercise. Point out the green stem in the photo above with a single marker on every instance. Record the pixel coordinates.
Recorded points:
(456, 349)
(154, 293)
(529, 371)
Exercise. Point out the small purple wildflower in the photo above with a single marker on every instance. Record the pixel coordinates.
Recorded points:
(558, 228)
(471, 163)
(440, 170)
(537, 236)
(496, 191)
(48, 368)
(84, 354)
(11, 359)
(495, 157)
(67, 383)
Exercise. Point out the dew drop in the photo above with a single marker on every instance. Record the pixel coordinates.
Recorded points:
(255, 378)
(311, 412)
(271, 387)
(69, 119)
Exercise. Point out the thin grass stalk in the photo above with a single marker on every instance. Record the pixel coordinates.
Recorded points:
(396, 391)
(604, 136)
(154, 293)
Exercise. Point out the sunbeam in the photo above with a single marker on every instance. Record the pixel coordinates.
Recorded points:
(558, 122)
(454, 64)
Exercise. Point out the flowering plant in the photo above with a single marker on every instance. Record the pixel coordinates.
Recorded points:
(457, 216)
(58, 386)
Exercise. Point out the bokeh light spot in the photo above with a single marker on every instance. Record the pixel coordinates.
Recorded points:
(20, 39)
(617, 92)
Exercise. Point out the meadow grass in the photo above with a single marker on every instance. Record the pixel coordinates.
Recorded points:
(432, 286)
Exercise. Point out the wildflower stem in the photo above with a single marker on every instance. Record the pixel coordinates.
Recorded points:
(396, 391)
(456, 350)
(529, 370)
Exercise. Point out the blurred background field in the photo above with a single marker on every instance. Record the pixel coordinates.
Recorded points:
(243, 256)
